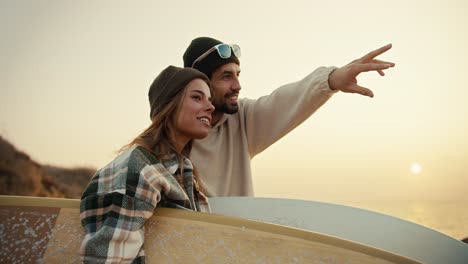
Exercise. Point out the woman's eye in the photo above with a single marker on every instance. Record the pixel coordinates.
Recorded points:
(196, 97)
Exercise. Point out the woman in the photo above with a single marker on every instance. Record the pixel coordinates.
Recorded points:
(152, 171)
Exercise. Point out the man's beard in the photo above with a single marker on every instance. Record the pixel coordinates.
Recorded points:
(225, 107)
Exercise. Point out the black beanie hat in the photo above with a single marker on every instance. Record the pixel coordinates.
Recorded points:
(211, 62)
(168, 83)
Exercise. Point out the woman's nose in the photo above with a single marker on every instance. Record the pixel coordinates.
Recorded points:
(210, 107)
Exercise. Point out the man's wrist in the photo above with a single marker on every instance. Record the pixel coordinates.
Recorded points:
(329, 78)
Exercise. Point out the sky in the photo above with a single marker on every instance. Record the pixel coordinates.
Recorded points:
(74, 77)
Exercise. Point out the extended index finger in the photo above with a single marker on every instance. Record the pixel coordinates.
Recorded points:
(371, 55)
(366, 67)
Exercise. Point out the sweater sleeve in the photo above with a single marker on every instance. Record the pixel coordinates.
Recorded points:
(270, 117)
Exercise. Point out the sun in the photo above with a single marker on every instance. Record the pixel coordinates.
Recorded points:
(416, 168)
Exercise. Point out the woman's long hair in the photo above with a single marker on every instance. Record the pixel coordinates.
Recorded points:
(159, 138)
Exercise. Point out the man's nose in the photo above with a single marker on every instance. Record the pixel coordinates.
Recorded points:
(236, 85)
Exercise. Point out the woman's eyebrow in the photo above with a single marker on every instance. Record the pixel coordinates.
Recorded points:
(201, 93)
(197, 91)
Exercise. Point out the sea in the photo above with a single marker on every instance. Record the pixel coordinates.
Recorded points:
(447, 217)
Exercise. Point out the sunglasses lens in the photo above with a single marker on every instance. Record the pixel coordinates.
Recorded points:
(236, 49)
(224, 51)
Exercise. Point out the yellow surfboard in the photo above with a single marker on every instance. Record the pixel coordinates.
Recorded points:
(48, 230)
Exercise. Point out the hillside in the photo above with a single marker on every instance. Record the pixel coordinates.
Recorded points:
(20, 175)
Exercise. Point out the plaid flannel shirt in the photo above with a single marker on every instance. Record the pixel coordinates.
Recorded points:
(122, 196)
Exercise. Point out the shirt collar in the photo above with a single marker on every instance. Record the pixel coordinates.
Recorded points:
(221, 121)
(172, 164)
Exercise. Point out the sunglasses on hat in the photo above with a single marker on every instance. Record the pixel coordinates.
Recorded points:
(224, 51)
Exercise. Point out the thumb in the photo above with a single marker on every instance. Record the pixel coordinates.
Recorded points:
(363, 91)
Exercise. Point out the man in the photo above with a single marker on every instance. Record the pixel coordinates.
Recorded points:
(242, 128)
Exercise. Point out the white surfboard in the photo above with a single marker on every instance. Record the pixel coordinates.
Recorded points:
(362, 226)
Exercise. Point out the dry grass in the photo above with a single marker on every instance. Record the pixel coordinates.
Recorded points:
(20, 175)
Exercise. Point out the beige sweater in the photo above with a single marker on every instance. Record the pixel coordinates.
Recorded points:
(223, 158)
